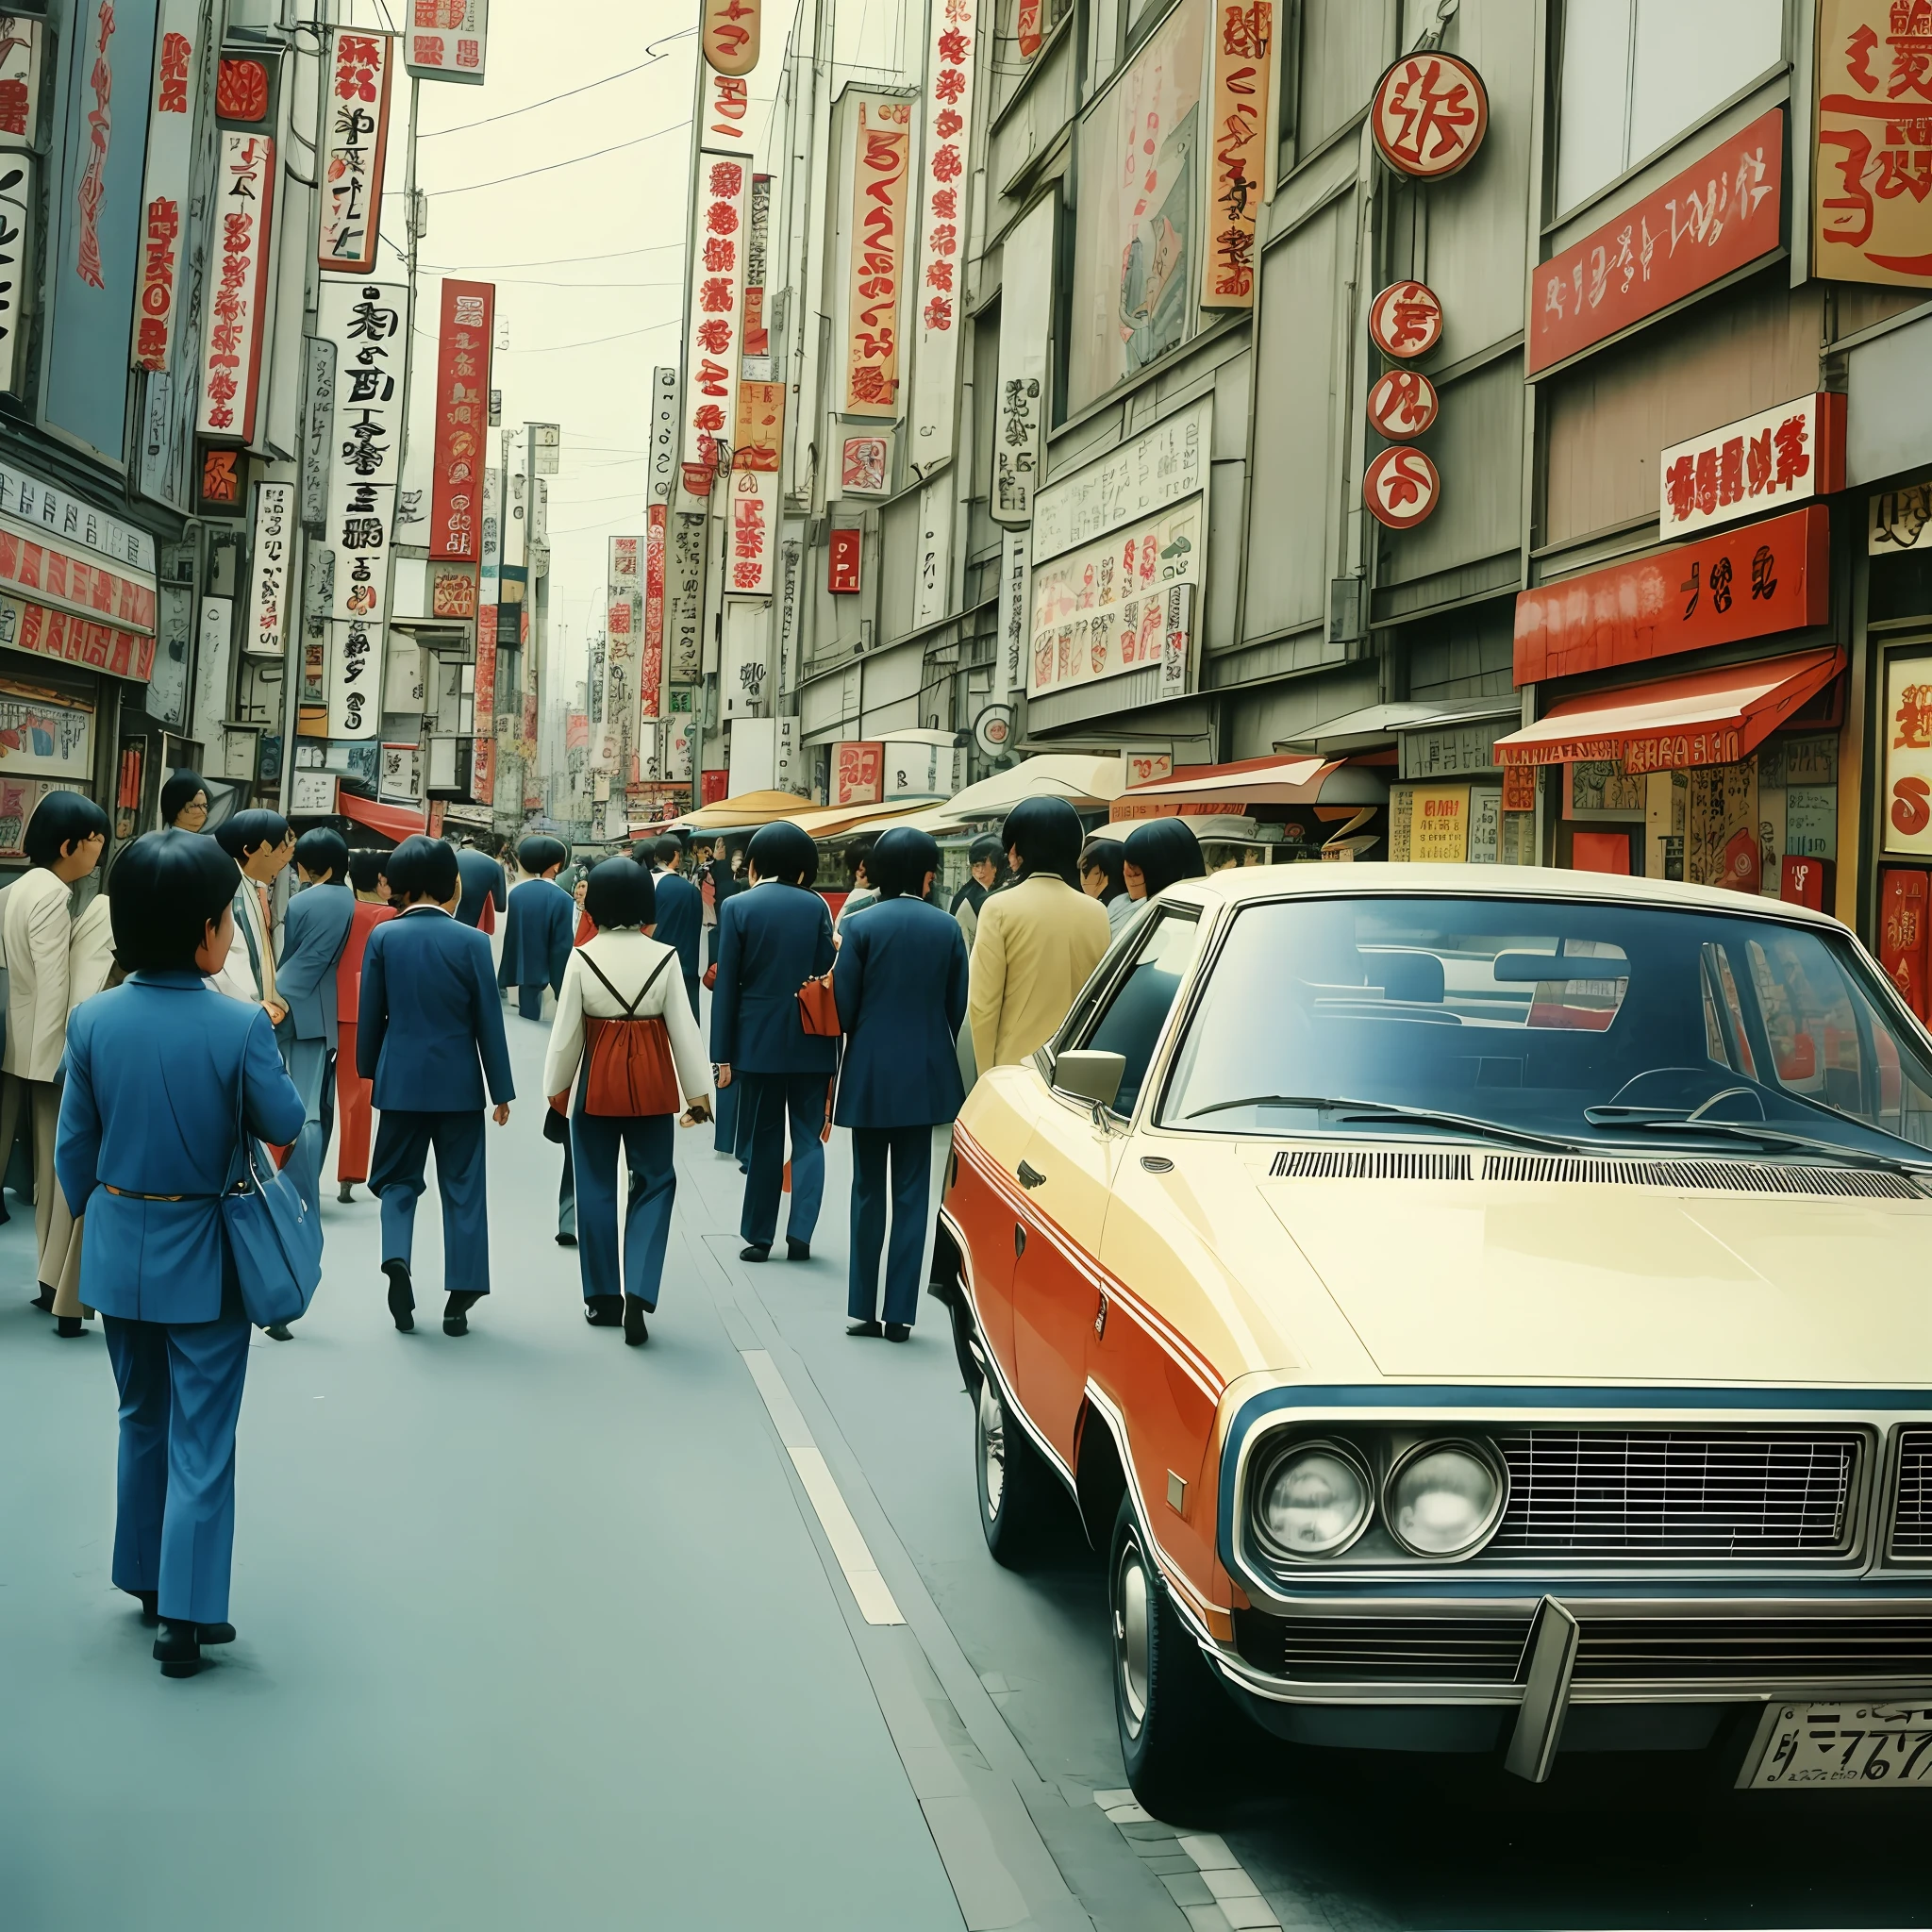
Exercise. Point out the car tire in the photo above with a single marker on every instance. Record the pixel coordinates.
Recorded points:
(1173, 1716)
(1020, 1499)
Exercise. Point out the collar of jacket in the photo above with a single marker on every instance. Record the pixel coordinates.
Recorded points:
(176, 978)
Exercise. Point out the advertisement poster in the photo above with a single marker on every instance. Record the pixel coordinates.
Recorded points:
(876, 255)
(1872, 220)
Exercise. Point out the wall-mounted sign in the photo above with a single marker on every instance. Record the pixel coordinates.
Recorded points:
(1402, 404)
(651, 662)
(842, 551)
(268, 570)
(758, 331)
(865, 464)
(1401, 486)
(714, 315)
(993, 730)
(952, 67)
(1014, 608)
(1720, 214)
(311, 794)
(1027, 30)
(20, 81)
(882, 136)
(1897, 519)
(729, 101)
(1405, 320)
(858, 771)
(728, 33)
(355, 150)
(178, 52)
(1144, 475)
(452, 591)
(1429, 114)
(1871, 219)
(761, 425)
(399, 775)
(445, 40)
(462, 388)
(45, 732)
(16, 207)
(1244, 55)
(231, 341)
(1025, 315)
(751, 533)
(1907, 803)
(1779, 455)
(663, 433)
(684, 600)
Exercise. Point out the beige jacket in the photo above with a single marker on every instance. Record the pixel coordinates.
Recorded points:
(37, 929)
(1035, 945)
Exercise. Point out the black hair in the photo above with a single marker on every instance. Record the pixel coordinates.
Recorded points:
(901, 860)
(249, 831)
(422, 867)
(858, 852)
(1046, 834)
(987, 846)
(1104, 856)
(1164, 850)
(784, 851)
(164, 892)
(323, 851)
(61, 819)
(620, 893)
(666, 849)
(366, 867)
(540, 851)
(177, 794)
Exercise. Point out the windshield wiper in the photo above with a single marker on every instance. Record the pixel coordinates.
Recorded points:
(1760, 1133)
(1389, 1110)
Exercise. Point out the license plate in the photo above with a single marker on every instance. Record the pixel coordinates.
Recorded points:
(1816, 1745)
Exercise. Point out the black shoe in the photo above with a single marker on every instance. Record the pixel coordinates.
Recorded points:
(346, 1191)
(177, 1649)
(635, 1333)
(215, 1633)
(603, 1311)
(402, 1298)
(68, 1327)
(898, 1331)
(456, 1312)
(796, 1250)
(566, 1240)
(756, 1250)
(44, 1301)
(868, 1330)
(150, 1601)
(278, 1331)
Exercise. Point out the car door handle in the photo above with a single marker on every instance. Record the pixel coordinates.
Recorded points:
(1030, 1176)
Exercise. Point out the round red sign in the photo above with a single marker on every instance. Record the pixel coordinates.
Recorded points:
(1405, 320)
(1401, 486)
(1403, 402)
(1429, 114)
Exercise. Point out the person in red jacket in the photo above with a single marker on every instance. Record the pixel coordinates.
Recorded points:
(352, 1111)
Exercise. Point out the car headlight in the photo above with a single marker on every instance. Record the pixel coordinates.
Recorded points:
(1314, 1500)
(1444, 1499)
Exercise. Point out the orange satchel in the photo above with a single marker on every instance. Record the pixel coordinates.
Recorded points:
(817, 1012)
(628, 1068)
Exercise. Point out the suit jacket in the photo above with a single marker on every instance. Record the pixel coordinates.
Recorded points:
(680, 919)
(901, 987)
(91, 955)
(537, 935)
(154, 1068)
(1035, 945)
(430, 1026)
(313, 934)
(366, 917)
(483, 884)
(241, 975)
(37, 928)
(771, 940)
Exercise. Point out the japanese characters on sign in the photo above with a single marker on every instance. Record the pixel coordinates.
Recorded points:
(952, 67)
(1908, 802)
(729, 102)
(624, 623)
(1896, 518)
(16, 204)
(1405, 321)
(20, 79)
(858, 771)
(761, 425)
(715, 314)
(751, 534)
(1243, 50)
(355, 146)
(399, 775)
(1013, 566)
(444, 40)
(1720, 214)
(1767, 577)
(1871, 220)
(1779, 455)
(452, 589)
(1403, 403)
(1027, 30)
(932, 570)
(728, 33)
(757, 334)
(685, 601)
(663, 433)
(232, 347)
(843, 550)
(1026, 314)
(462, 405)
(1429, 115)
(1902, 894)
(165, 183)
(71, 519)
(1401, 486)
(1160, 466)
(651, 671)
(882, 138)
(268, 570)
(865, 464)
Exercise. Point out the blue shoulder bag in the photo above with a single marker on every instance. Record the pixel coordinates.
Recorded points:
(274, 1236)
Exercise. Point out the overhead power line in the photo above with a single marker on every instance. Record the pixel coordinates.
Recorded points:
(651, 58)
(549, 261)
(551, 167)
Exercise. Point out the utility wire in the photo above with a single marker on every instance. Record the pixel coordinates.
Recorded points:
(652, 58)
(551, 167)
(553, 260)
(623, 334)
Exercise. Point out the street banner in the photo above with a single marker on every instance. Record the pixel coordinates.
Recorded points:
(178, 59)
(354, 151)
(268, 570)
(875, 250)
(1025, 315)
(463, 408)
(238, 275)
(714, 315)
(446, 39)
(1241, 139)
(952, 66)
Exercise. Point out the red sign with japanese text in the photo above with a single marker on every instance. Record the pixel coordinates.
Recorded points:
(1873, 217)
(231, 348)
(1902, 908)
(841, 562)
(1403, 403)
(651, 674)
(858, 770)
(1777, 457)
(883, 143)
(462, 422)
(1401, 488)
(952, 66)
(1405, 320)
(729, 102)
(728, 32)
(712, 786)
(1027, 30)
(1752, 582)
(483, 710)
(1719, 215)
(1240, 137)
(1429, 115)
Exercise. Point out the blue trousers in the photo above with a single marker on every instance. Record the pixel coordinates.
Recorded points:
(396, 1179)
(530, 1001)
(725, 1132)
(910, 1151)
(310, 1066)
(175, 1516)
(646, 1142)
(766, 1102)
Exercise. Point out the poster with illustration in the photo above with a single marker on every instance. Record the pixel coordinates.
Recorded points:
(45, 732)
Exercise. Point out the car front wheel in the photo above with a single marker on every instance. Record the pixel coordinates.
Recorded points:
(1019, 1503)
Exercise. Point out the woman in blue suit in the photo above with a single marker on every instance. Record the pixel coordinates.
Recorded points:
(901, 984)
(771, 940)
(158, 1071)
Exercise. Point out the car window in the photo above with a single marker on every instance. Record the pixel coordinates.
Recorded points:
(1135, 1011)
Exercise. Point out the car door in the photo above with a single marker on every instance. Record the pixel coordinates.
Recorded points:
(1067, 1173)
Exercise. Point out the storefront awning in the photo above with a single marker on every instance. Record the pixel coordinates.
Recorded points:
(748, 808)
(396, 822)
(1384, 724)
(1238, 787)
(1670, 724)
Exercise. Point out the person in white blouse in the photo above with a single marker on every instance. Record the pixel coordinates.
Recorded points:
(63, 843)
(261, 843)
(621, 978)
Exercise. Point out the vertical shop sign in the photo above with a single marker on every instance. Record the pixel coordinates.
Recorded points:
(685, 594)
(446, 39)
(1871, 217)
(952, 67)
(1013, 610)
(858, 771)
(483, 705)
(651, 676)
(663, 433)
(882, 136)
(165, 183)
(729, 100)
(318, 428)
(728, 33)
(760, 431)
(355, 147)
(232, 347)
(1907, 803)
(932, 579)
(714, 315)
(20, 81)
(622, 621)
(790, 561)
(268, 570)
(1903, 904)
(1027, 29)
(758, 333)
(1025, 312)
(751, 534)
(462, 407)
(843, 549)
(1241, 144)
(16, 201)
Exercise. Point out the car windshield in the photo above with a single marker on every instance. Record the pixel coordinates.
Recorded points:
(1624, 1027)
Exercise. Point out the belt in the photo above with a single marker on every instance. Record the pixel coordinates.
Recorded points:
(128, 1194)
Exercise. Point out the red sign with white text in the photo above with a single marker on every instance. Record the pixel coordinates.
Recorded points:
(651, 676)
(841, 562)
(483, 711)
(462, 422)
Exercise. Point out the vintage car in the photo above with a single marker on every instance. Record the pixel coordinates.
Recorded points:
(1482, 1311)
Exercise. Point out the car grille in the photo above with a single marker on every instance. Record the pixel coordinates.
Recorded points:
(1749, 1649)
(1379, 1650)
(1657, 1494)
(1911, 1525)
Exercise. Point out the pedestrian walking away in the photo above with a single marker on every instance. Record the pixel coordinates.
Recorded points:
(680, 910)
(772, 940)
(537, 928)
(428, 1034)
(261, 843)
(485, 890)
(163, 1073)
(901, 985)
(1157, 855)
(353, 1102)
(625, 1060)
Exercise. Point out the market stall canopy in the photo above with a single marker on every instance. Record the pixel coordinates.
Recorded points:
(748, 808)
(1380, 724)
(1672, 724)
(394, 822)
(827, 821)
(1248, 782)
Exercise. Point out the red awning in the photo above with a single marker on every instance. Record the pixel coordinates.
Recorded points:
(1704, 718)
(396, 822)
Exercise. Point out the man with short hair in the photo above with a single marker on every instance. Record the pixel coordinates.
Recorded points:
(681, 911)
(539, 925)
(485, 890)
(261, 843)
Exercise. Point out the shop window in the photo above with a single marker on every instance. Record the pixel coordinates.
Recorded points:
(1636, 74)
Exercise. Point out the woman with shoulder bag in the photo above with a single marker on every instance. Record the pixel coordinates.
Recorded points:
(624, 1026)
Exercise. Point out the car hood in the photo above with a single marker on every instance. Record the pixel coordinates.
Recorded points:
(1479, 1281)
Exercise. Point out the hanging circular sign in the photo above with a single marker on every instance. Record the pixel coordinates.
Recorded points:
(1402, 404)
(1405, 320)
(1429, 115)
(1401, 486)
(993, 730)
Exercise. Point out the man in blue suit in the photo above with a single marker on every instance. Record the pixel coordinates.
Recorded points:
(680, 909)
(771, 940)
(901, 984)
(486, 893)
(428, 1033)
(314, 930)
(539, 927)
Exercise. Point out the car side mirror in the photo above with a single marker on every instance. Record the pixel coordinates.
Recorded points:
(1090, 1076)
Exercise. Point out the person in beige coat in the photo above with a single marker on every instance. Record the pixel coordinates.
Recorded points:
(1037, 939)
(89, 966)
(63, 842)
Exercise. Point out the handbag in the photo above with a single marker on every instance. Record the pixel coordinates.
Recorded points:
(818, 1010)
(628, 1069)
(274, 1234)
